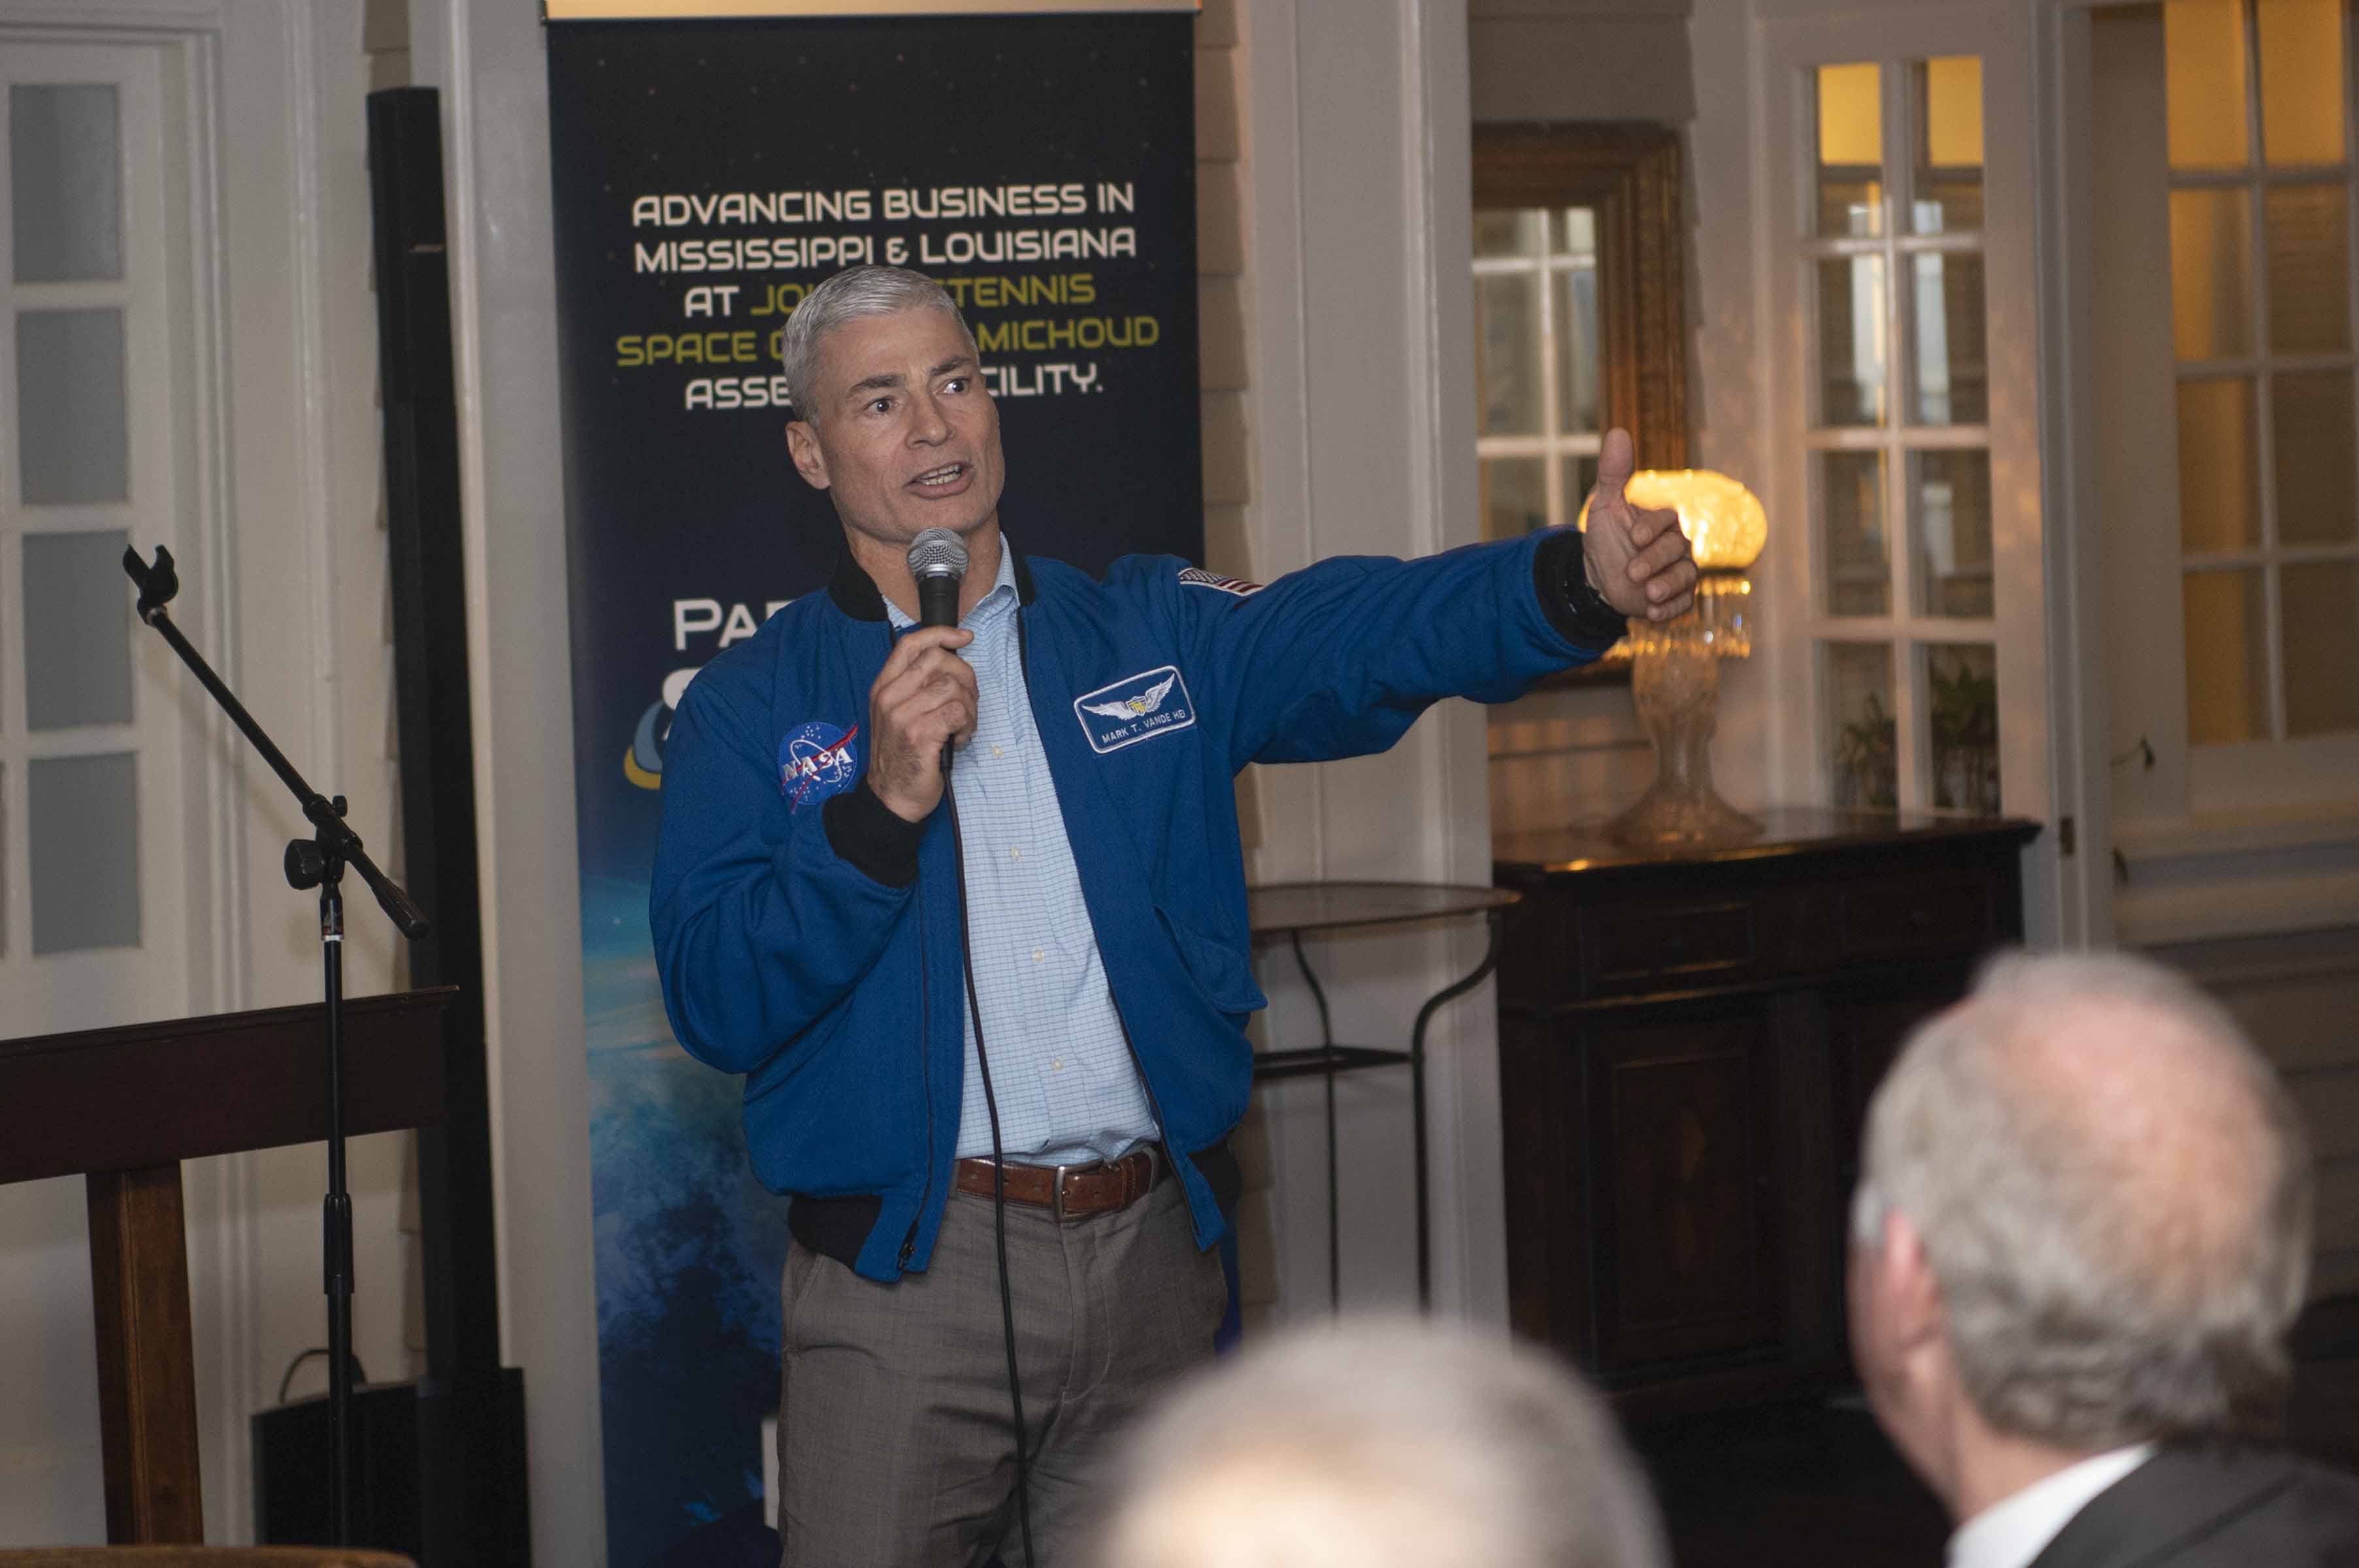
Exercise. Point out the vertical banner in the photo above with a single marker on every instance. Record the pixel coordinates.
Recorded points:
(707, 175)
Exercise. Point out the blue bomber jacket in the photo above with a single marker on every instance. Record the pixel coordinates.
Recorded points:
(809, 939)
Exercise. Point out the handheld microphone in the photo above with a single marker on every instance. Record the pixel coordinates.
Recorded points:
(937, 560)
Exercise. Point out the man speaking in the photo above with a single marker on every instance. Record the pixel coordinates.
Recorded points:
(992, 1017)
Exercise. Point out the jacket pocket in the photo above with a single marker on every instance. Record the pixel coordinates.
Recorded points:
(1222, 972)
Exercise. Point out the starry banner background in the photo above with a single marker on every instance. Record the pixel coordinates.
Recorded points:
(685, 524)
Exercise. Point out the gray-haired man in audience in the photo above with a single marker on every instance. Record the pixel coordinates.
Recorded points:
(1384, 1442)
(2081, 1235)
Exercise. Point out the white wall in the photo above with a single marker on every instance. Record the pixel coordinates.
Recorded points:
(1727, 368)
(1360, 409)
(1580, 60)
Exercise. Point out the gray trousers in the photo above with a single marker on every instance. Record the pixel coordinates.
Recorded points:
(896, 1443)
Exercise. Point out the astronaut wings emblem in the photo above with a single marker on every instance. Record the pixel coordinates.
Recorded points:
(1138, 707)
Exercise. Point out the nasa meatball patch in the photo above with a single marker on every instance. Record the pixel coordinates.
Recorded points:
(816, 761)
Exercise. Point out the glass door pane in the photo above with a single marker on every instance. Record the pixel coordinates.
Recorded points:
(2228, 670)
(65, 181)
(1850, 100)
(1950, 492)
(1865, 758)
(1946, 188)
(1962, 718)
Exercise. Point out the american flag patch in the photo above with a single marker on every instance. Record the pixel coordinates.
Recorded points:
(1197, 577)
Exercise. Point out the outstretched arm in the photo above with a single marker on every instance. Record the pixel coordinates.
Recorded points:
(1340, 658)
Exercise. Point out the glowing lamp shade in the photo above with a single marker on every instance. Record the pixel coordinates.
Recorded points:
(1723, 520)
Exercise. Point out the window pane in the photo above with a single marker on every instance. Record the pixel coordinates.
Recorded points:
(2318, 500)
(1852, 351)
(1577, 349)
(2219, 469)
(2203, 73)
(2228, 661)
(1864, 756)
(2301, 81)
(2211, 273)
(1580, 479)
(77, 631)
(1507, 321)
(2320, 601)
(1962, 724)
(1953, 356)
(1850, 149)
(83, 817)
(1501, 233)
(73, 442)
(1948, 108)
(66, 182)
(1515, 497)
(1859, 566)
(1576, 231)
(1952, 493)
(2309, 268)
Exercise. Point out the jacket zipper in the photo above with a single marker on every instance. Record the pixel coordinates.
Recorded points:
(1154, 1102)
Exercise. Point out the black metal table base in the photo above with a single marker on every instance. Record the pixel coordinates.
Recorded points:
(1327, 1059)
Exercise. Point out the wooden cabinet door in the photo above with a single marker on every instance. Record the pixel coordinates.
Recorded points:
(1682, 1167)
(1865, 1029)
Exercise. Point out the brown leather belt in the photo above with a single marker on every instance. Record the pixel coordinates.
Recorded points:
(1067, 1189)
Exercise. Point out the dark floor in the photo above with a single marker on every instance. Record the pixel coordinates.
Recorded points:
(1817, 1483)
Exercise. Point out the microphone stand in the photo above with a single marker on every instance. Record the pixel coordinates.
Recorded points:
(317, 862)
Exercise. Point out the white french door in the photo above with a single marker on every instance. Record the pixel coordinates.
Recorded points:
(1906, 573)
(93, 901)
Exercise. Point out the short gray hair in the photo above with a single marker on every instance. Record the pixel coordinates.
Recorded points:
(2121, 1236)
(1381, 1441)
(855, 292)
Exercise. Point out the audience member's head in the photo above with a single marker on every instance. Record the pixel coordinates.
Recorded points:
(2082, 1222)
(1377, 1444)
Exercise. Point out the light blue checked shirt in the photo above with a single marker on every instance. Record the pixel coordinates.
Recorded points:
(1068, 1091)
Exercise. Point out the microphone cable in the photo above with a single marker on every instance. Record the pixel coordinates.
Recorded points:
(998, 1180)
(938, 563)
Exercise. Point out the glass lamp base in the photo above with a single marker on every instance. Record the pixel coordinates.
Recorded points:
(1670, 815)
(1675, 682)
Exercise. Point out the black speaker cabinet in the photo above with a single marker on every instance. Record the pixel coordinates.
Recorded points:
(401, 1502)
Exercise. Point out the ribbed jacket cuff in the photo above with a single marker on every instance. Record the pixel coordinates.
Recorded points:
(871, 838)
(1578, 611)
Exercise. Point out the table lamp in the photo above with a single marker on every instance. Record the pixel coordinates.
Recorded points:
(1675, 668)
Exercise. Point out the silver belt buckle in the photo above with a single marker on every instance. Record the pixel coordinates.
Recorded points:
(1060, 1205)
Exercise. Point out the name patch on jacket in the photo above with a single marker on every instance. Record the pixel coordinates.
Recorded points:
(1134, 708)
(815, 762)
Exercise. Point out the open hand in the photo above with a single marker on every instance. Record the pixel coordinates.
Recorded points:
(1636, 556)
(924, 696)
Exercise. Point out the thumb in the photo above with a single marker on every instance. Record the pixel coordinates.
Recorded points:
(1616, 461)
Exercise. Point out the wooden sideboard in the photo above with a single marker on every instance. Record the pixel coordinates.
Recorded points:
(1687, 1042)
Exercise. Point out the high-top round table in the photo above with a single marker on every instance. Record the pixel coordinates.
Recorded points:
(1291, 908)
